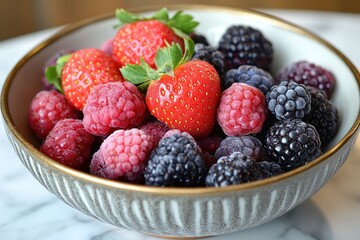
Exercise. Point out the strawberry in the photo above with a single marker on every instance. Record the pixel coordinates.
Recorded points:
(76, 74)
(181, 93)
(141, 37)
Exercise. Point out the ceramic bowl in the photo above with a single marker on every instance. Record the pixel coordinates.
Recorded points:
(184, 212)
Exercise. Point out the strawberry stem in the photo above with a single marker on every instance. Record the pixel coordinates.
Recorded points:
(53, 73)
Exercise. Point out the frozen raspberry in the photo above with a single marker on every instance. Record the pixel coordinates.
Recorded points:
(46, 109)
(289, 100)
(251, 75)
(247, 145)
(309, 74)
(68, 143)
(155, 129)
(243, 45)
(211, 55)
(113, 105)
(242, 110)
(176, 161)
(292, 143)
(122, 156)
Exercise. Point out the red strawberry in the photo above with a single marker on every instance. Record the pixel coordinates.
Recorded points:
(141, 37)
(182, 94)
(79, 72)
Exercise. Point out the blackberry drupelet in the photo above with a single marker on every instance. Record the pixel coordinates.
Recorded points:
(199, 38)
(323, 115)
(289, 100)
(244, 45)
(270, 169)
(177, 161)
(292, 143)
(234, 169)
(309, 74)
(210, 55)
(251, 75)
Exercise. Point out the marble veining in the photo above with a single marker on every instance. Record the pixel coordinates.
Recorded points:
(28, 211)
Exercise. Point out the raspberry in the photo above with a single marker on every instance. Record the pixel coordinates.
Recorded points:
(247, 145)
(210, 55)
(155, 129)
(289, 100)
(242, 110)
(323, 115)
(68, 143)
(176, 161)
(234, 169)
(199, 38)
(292, 143)
(243, 45)
(122, 156)
(309, 74)
(209, 144)
(46, 109)
(251, 75)
(113, 105)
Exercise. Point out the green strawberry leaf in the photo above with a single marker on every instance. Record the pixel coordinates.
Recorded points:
(182, 22)
(125, 17)
(161, 15)
(53, 73)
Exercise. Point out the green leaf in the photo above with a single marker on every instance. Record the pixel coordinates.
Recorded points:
(60, 62)
(161, 15)
(134, 73)
(182, 23)
(125, 17)
(189, 49)
(53, 78)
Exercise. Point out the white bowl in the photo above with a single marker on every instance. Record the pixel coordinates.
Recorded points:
(185, 212)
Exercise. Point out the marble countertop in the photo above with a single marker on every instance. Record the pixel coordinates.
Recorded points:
(28, 211)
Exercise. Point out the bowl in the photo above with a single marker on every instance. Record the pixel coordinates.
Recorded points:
(185, 212)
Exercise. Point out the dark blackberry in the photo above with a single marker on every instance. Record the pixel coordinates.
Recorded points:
(210, 55)
(244, 45)
(248, 145)
(289, 100)
(233, 169)
(308, 74)
(323, 115)
(251, 75)
(270, 169)
(292, 143)
(176, 161)
(199, 38)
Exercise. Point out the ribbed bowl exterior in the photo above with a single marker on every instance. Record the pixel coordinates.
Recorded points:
(184, 215)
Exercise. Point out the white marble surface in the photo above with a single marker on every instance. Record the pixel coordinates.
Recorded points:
(28, 211)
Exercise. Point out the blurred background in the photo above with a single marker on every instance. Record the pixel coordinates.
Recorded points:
(19, 17)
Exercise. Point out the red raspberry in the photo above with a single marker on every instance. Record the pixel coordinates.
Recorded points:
(155, 129)
(112, 106)
(242, 110)
(46, 109)
(122, 156)
(68, 143)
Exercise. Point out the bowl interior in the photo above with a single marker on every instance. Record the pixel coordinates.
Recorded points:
(290, 44)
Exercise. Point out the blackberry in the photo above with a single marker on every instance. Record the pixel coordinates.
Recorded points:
(292, 143)
(233, 169)
(210, 55)
(176, 161)
(289, 100)
(309, 74)
(247, 145)
(270, 169)
(199, 38)
(251, 75)
(244, 45)
(323, 115)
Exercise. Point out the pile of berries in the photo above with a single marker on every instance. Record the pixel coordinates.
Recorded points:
(161, 107)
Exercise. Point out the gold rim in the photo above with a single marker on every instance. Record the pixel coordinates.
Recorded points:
(171, 190)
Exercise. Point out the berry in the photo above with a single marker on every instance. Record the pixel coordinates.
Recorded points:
(209, 144)
(270, 169)
(107, 47)
(155, 129)
(210, 55)
(122, 156)
(243, 45)
(251, 75)
(309, 74)
(323, 115)
(113, 105)
(199, 38)
(68, 143)
(289, 100)
(247, 145)
(292, 143)
(182, 94)
(176, 161)
(234, 169)
(46, 109)
(85, 69)
(141, 38)
(242, 110)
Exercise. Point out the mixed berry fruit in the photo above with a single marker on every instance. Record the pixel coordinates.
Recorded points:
(157, 105)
